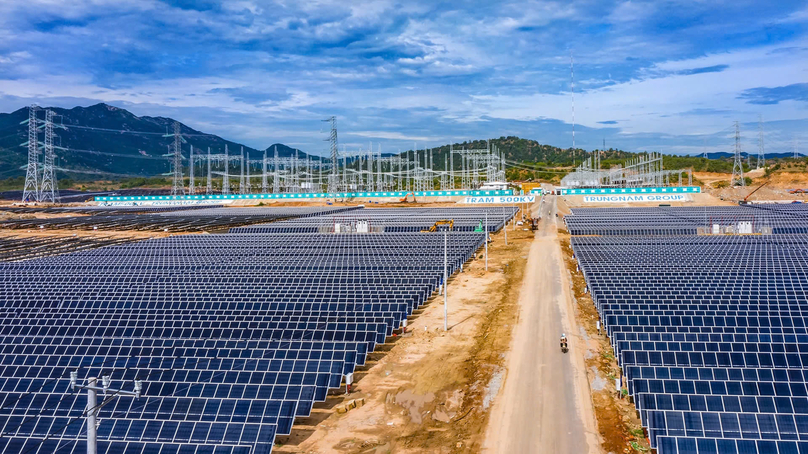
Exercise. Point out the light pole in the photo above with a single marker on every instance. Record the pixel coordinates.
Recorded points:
(486, 240)
(505, 225)
(445, 280)
(92, 403)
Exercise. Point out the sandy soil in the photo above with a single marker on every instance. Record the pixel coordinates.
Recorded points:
(545, 404)
(431, 391)
(618, 425)
(779, 183)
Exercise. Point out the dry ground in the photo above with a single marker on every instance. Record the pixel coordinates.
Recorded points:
(430, 391)
(618, 423)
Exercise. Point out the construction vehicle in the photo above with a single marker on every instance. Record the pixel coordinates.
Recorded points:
(745, 200)
(434, 228)
(406, 197)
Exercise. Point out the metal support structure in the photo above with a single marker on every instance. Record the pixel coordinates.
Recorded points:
(275, 176)
(737, 167)
(49, 191)
(333, 175)
(177, 187)
(241, 182)
(209, 185)
(264, 183)
(761, 160)
(191, 189)
(226, 175)
(30, 192)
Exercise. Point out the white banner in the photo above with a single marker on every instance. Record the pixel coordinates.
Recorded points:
(621, 198)
(164, 203)
(502, 199)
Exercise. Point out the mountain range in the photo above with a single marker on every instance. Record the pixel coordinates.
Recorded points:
(104, 142)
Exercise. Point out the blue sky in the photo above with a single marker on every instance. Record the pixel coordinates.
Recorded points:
(670, 76)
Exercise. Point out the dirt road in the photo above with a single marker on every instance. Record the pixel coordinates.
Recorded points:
(545, 404)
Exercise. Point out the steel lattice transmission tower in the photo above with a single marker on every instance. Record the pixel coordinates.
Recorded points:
(177, 188)
(333, 176)
(226, 176)
(737, 167)
(209, 184)
(761, 160)
(264, 182)
(191, 189)
(48, 191)
(30, 191)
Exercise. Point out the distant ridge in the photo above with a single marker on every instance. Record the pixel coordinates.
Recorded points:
(100, 147)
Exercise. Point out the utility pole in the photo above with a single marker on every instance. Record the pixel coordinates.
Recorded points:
(761, 160)
(446, 280)
(486, 240)
(505, 225)
(93, 406)
(30, 192)
(737, 167)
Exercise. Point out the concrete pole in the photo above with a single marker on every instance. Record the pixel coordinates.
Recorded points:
(92, 402)
(445, 280)
(486, 241)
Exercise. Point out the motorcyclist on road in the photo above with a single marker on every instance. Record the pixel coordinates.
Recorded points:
(563, 340)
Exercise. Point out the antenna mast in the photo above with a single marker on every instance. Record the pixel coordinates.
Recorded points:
(572, 91)
(761, 160)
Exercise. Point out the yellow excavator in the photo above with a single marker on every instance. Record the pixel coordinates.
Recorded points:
(434, 228)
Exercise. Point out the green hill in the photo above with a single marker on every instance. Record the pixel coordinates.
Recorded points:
(105, 142)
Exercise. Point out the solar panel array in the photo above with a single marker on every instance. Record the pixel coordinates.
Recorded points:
(394, 220)
(779, 218)
(102, 209)
(234, 335)
(20, 248)
(173, 221)
(710, 330)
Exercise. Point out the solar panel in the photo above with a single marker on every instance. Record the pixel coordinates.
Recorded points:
(234, 335)
(709, 329)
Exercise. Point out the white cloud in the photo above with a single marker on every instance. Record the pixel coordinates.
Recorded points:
(652, 104)
(391, 135)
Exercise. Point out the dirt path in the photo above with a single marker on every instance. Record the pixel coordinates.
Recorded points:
(545, 405)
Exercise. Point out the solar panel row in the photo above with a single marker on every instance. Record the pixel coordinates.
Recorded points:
(709, 330)
(233, 335)
(202, 219)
